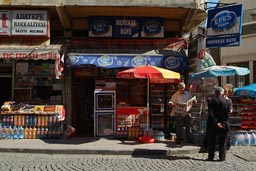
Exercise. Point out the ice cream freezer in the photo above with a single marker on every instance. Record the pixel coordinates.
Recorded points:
(104, 113)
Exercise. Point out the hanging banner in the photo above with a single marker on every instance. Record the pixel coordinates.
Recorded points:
(179, 63)
(224, 26)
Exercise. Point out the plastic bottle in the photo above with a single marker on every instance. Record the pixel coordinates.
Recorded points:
(1, 132)
(21, 132)
(15, 132)
(9, 132)
(247, 139)
(26, 133)
(4, 132)
(34, 133)
(253, 138)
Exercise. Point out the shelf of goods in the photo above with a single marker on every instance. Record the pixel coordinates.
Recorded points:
(35, 80)
(157, 106)
(248, 114)
(130, 122)
(34, 122)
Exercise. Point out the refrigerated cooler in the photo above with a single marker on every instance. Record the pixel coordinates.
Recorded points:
(160, 110)
(104, 113)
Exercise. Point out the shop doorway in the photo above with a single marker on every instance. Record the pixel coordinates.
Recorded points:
(5, 89)
(82, 106)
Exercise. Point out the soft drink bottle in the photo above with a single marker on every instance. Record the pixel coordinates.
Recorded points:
(26, 133)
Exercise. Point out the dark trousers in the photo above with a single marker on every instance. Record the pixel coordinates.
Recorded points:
(180, 123)
(213, 134)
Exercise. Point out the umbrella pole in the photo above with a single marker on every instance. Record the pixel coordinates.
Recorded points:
(147, 105)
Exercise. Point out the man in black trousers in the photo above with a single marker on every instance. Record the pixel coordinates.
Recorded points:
(218, 108)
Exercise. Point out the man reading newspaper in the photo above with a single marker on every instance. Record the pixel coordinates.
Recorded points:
(181, 102)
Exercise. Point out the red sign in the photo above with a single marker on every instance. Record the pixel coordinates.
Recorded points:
(201, 54)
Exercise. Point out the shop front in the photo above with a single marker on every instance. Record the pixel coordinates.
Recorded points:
(92, 74)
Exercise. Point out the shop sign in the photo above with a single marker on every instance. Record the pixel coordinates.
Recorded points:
(100, 27)
(224, 26)
(29, 22)
(126, 27)
(5, 22)
(152, 27)
(27, 55)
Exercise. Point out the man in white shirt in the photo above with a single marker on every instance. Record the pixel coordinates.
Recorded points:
(182, 96)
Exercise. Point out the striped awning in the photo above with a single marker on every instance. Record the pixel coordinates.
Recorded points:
(34, 52)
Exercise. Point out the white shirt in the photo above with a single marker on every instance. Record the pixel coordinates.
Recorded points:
(179, 97)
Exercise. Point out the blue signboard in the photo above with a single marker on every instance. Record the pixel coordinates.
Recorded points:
(177, 63)
(152, 27)
(224, 26)
(100, 27)
(126, 27)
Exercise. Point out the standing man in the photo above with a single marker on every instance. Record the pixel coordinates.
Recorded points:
(182, 96)
(218, 108)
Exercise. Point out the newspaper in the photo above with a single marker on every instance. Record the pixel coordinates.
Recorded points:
(181, 109)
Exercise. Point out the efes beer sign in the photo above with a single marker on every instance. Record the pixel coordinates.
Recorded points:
(224, 26)
(100, 27)
(152, 27)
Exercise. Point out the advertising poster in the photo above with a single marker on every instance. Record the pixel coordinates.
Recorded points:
(152, 27)
(100, 27)
(224, 26)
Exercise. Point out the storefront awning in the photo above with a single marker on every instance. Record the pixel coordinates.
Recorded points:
(175, 63)
(34, 52)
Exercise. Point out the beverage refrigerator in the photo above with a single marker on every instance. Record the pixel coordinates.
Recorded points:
(104, 113)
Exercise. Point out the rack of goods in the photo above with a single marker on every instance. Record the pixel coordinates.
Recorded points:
(130, 122)
(19, 121)
(248, 114)
(157, 106)
(235, 116)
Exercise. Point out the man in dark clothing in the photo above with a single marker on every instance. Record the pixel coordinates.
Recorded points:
(218, 108)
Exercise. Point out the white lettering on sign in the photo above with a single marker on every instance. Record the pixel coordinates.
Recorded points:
(29, 22)
(125, 31)
(131, 23)
(22, 55)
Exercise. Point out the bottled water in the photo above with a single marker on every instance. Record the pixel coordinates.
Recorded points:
(247, 139)
(240, 139)
(21, 132)
(4, 132)
(15, 132)
(253, 138)
(1, 128)
(9, 132)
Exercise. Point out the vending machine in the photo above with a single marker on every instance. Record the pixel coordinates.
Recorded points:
(104, 113)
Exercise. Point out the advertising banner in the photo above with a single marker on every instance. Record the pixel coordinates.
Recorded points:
(5, 22)
(121, 60)
(224, 26)
(29, 22)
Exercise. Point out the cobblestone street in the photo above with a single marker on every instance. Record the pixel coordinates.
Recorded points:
(192, 162)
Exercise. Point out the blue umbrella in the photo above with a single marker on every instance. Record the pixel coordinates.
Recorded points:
(217, 70)
(249, 90)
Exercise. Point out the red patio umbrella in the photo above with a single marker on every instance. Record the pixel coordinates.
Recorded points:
(149, 72)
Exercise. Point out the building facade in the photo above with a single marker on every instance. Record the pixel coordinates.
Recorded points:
(245, 54)
(137, 30)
